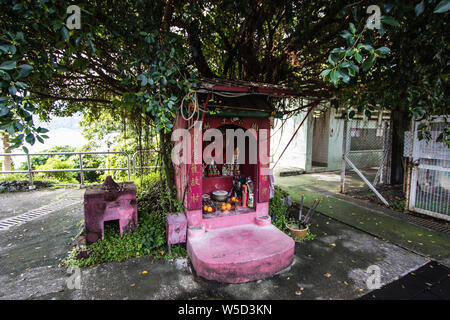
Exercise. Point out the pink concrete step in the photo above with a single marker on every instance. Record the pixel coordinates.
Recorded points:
(240, 253)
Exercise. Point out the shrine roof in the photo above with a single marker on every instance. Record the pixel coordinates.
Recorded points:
(245, 87)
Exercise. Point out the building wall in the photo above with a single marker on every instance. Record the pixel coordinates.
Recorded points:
(296, 154)
(320, 140)
(336, 135)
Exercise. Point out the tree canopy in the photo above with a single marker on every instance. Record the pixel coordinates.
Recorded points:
(140, 58)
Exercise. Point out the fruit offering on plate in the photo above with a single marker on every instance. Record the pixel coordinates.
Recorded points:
(208, 209)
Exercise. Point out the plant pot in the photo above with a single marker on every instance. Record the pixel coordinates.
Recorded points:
(296, 232)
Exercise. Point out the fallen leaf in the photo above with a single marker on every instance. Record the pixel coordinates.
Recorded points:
(346, 283)
(144, 272)
(132, 285)
(333, 244)
(298, 293)
(327, 275)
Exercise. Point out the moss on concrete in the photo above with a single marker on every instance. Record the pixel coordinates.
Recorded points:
(412, 237)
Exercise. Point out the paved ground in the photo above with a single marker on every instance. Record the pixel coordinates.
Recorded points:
(333, 266)
(368, 218)
(429, 282)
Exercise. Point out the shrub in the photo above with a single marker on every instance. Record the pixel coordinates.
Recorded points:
(278, 210)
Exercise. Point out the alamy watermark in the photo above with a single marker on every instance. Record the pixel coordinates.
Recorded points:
(374, 20)
(74, 280)
(374, 279)
(74, 20)
(188, 147)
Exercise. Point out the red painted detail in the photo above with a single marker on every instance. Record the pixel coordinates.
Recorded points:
(176, 226)
(211, 184)
(194, 217)
(240, 254)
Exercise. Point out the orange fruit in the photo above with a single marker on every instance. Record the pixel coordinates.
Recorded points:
(228, 206)
(210, 209)
(205, 208)
(233, 199)
(223, 206)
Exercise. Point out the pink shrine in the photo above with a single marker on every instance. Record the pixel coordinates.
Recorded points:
(232, 241)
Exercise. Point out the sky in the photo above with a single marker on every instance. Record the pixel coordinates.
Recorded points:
(62, 131)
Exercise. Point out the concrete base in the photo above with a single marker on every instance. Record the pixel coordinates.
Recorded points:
(240, 253)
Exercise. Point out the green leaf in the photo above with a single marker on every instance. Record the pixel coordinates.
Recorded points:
(334, 76)
(325, 72)
(368, 63)
(358, 57)
(390, 21)
(25, 149)
(331, 59)
(30, 139)
(345, 34)
(41, 130)
(65, 33)
(442, 6)
(352, 28)
(24, 70)
(383, 50)
(8, 65)
(12, 90)
(419, 8)
(3, 111)
(351, 114)
(5, 75)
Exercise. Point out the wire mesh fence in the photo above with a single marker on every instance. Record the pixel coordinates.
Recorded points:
(367, 154)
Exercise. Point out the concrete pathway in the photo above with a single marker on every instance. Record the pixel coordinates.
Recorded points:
(332, 266)
(423, 241)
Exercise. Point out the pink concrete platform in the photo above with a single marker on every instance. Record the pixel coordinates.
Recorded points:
(240, 253)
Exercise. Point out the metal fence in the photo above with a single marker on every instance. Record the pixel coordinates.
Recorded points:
(131, 166)
(366, 155)
(429, 179)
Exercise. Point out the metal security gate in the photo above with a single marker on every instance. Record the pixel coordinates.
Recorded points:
(430, 174)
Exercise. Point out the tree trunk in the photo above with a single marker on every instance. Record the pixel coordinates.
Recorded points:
(400, 122)
(169, 169)
(7, 162)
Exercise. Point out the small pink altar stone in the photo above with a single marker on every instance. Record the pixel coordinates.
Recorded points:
(176, 228)
(108, 202)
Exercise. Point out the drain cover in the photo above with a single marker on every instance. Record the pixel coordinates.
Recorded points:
(33, 214)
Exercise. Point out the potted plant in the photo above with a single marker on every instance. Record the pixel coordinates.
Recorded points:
(299, 228)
